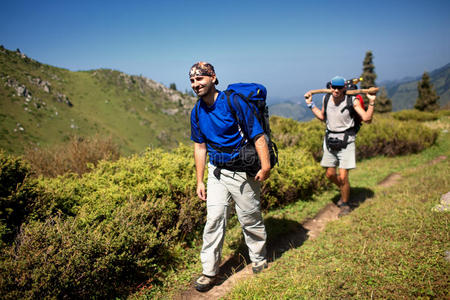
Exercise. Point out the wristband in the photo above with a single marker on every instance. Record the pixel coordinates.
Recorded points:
(311, 105)
(372, 104)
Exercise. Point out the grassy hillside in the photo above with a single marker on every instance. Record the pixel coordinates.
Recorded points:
(44, 105)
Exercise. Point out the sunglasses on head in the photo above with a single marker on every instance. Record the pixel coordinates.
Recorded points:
(334, 87)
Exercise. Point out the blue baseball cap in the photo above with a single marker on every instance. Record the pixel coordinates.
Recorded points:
(338, 81)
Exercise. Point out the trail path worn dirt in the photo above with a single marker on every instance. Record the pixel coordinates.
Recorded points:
(237, 268)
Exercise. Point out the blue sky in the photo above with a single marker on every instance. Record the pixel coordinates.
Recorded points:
(289, 46)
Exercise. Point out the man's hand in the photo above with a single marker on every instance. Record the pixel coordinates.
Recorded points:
(371, 97)
(262, 175)
(308, 97)
(263, 153)
(201, 191)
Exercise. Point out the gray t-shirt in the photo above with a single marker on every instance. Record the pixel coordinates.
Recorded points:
(337, 120)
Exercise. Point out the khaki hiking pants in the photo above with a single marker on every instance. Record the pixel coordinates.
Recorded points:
(245, 192)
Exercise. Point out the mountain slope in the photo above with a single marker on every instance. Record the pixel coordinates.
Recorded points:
(45, 105)
(289, 109)
(404, 94)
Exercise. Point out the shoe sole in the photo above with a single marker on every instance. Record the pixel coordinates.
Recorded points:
(259, 269)
(205, 288)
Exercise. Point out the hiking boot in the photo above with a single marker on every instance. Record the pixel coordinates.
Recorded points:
(345, 210)
(205, 283)
(257, 267)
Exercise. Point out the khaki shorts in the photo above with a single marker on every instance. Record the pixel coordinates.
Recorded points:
(344, 159)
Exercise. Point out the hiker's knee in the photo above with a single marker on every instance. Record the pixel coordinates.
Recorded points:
(330, 173)
(343, 177)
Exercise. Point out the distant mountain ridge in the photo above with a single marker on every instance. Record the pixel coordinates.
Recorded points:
(291, 109)
(45, 105)
(402, 92)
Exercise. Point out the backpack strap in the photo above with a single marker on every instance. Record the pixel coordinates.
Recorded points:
(233, 111)
(236, 103)
(197, 121)
(325, 104)
(238, 106)
(353, 114)
(349, 106)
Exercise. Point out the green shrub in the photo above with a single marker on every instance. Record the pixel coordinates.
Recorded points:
(444, 113)
(415, 115)
(153, 176)
(69, 258)
(306, 135)
(17, 191)
(384, 136)
(387, 136)
(297, 177)
(115, 228)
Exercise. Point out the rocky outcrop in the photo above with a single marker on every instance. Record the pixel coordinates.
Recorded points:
(178, 102)
(63, 99)
(23, 91)
(43, 84)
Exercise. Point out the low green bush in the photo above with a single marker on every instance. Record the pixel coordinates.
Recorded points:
(69, 258)
(384, 136)
(390, 137)
(306, 135)
(101, 234)
(17, 191)
(166, 179)
(443, 112)
(297, 177)
(415, 115)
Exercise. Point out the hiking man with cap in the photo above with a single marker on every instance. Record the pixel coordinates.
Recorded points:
(214, 127)
(339, 142)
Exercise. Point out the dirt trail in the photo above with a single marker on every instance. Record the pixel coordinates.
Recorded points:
(390, 180)
(238, 268)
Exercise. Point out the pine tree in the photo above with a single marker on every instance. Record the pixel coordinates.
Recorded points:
(428, 99)
(383, 104)
(173, 86)
(368, 74)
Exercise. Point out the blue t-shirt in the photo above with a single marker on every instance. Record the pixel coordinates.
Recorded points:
(219, 128)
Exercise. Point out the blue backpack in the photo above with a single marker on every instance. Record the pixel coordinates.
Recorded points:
(255, 96)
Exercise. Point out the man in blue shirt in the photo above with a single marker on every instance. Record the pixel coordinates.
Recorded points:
(216, 132)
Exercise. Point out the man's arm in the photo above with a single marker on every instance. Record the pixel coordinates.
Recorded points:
(263, 153)
(200, 162)
(366, 116)
(317, 112)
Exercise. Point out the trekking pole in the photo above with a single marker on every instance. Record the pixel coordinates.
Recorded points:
(372, 90)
